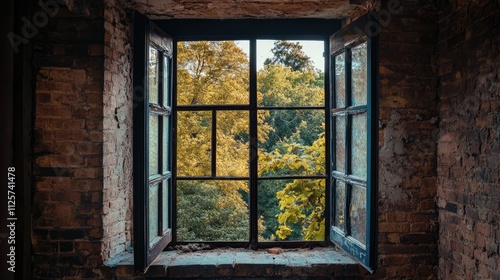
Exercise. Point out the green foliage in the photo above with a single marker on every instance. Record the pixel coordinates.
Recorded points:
(291, 142)
(279, 86)
(204, 214)
(295, 145)
(301, 201)
(290, 55)
(212, 72)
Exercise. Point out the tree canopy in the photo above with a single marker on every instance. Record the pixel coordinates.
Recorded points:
(291, 55)
(291, 142)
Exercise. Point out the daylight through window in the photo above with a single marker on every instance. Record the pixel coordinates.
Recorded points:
(242, 134)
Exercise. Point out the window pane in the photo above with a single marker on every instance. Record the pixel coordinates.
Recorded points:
(294, 144)
(340, 143)
(212, 72)
(359, 74)
(232, 143)
(287, 76)
(212, 211)
(194, 138)
(166, 81)
(153, 212)
(357, 213)
(153, 144)
(166, 144)
(340, 194)
(359, 145)
(291, 210)
(166, 205)
(153, 75)
(340, 81)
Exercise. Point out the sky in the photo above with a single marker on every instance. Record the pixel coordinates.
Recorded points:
(313, 49)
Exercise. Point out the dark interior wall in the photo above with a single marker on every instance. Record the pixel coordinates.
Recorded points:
(68, 174)
(82, 148)
(6, 121)
(83, 140)
(16, 120)
(408, 120)
(469, 140)
(83, 123)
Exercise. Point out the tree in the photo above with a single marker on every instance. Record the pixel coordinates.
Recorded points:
(217, 72)
(303, 200)
(205, 215)
(212, 72)
(279, 86)
(295, 144)
(290, 55)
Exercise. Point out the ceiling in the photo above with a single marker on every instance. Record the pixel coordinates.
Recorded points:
(251, 9)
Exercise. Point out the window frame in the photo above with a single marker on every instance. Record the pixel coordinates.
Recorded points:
(342, 42)
(147, 35)
(252, 108)
(252, 30)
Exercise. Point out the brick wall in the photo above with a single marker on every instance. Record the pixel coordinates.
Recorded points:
(117, 130)
(83, 154)
(407, 142)
(82, 143)
(469, 146)
(67, 202)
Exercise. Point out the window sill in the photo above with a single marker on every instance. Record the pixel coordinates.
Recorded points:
(317, 263)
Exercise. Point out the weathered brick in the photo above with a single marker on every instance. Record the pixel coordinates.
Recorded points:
(465, 82)
(81, 84)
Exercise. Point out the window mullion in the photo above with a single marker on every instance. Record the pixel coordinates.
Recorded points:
(161, 145)
(173, 148)
(214, 144)
(254, 231)
(348, 139)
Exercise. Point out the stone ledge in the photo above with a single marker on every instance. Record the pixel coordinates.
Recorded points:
(317, 263)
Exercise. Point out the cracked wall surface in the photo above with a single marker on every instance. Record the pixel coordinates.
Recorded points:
(117, 130)
(408, 122)
(234, 9)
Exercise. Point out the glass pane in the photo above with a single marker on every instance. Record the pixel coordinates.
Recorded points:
(340, 195)
(166, 204)
(153, 212)
(287, 77)
(213, 72)
(357, 213)
(340, 81)
(233, 143)
(212, 211)
(340, 143)
(153, 75)
(359, 74)
(291, 142)
(291, 210)
(194, 138)
(359, 146)
(166, 144)
(166, 81)
(153, 144)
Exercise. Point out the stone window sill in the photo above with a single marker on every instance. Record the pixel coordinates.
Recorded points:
(317, 263)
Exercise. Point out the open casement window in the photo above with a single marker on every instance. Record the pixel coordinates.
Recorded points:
(152, 141)
(353, 142)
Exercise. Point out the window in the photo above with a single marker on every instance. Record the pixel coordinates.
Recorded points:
(201, 140)
(225, 117)
(152, 142)
(353, 142)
